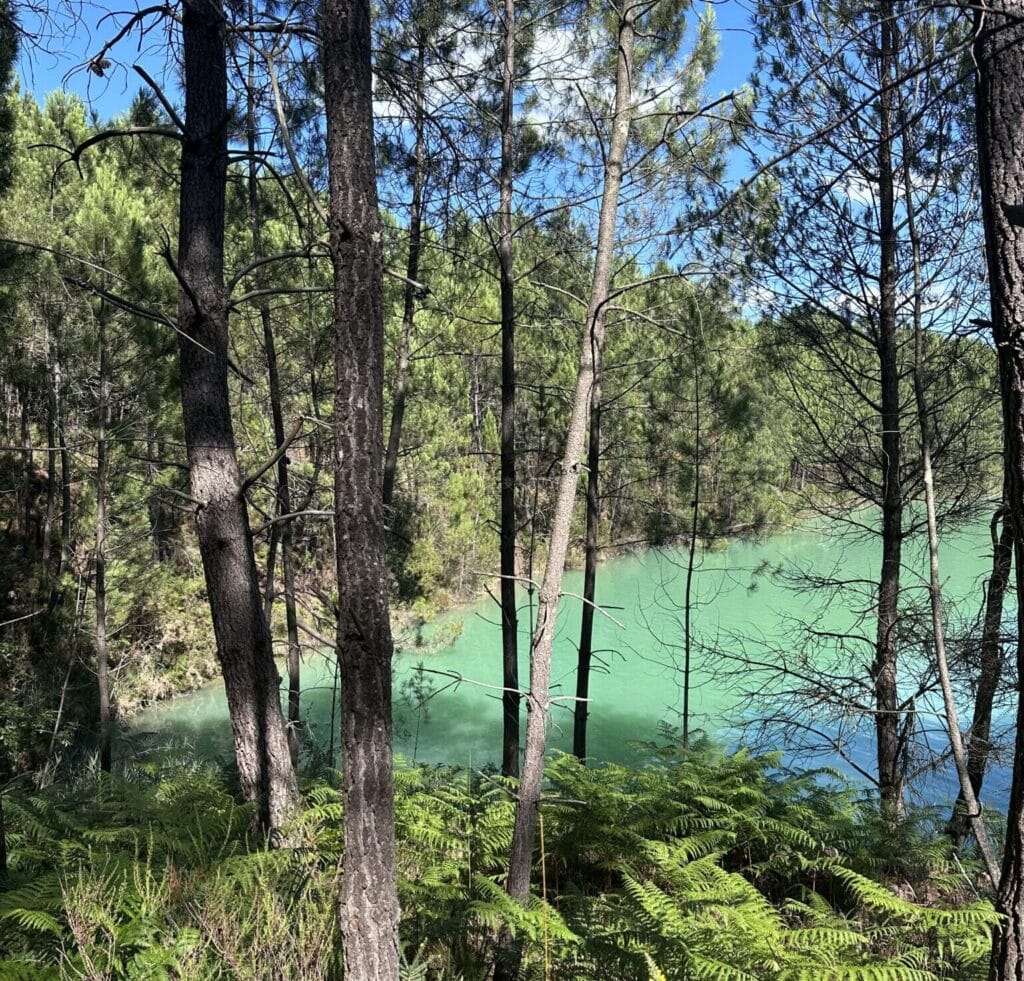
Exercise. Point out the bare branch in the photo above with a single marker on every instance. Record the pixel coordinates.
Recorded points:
(422, 289)
(98, 64)
(276, 291)
(165, 253)
(266, 260)
(277, 454)
(164, 101)
(277, 519)
(117, 132)
(282, 122)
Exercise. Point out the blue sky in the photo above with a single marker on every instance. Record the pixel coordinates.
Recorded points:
(65, 44)
(733, 19)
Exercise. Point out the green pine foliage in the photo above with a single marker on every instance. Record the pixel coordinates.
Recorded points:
(705, 866)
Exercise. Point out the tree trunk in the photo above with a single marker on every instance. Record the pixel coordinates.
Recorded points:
(369, 899)
(65, 469)
(50, 568)
(153, 506)
(476, 404)
(281, 532)
(294, 649)
(26, 474)
(538, 703)
(511, 696)
(883, 670)
(999, 57)
(972, 809)
(691, 554)
(581, 710)
(269, 579)
(100, 553)
(222, 520)
(412, 272)
(990, 670)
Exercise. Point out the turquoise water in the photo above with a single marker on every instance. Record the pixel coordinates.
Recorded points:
(742, 603)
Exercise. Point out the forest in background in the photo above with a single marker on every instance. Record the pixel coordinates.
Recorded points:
(352, 315)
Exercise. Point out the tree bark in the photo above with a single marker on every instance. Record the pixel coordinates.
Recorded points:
(511, 696)
(538, 702)
(154, 510)
(691, 553)
(50, 568)
(990, 669)
(26, 473)
(412, 273)
(368, 909)
(100, 552)
(65, 466)
(884, 667)
(3, 841)
(999, 95)
(225, 540)
(581, 710)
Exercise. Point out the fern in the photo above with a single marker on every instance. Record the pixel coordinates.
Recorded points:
(704, 867)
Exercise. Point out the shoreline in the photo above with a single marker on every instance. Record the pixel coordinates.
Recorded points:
(412, 619)
(407, 619)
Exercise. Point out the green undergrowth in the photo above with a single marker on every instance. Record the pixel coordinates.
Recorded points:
(709, 866)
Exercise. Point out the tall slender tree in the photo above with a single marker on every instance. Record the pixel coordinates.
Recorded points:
(999, 57)
(668, 153)
(968, 793)
(990, 663)
(422, 16)
(369, 899)
(581, 710)
(884, 667)
(8, 51)
(511, 697)
(222, 521)
(281, 532)
(100, 547)
(538, 701)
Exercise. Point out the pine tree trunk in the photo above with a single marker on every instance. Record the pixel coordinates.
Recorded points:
(999, 56)
(65, 474)
(538, 702)
(412, 272)
(281, 532)
(884, 668)
(153, 507)
(100, 553)
(972, 805)
(3, 841)
(222, 521)
(511, 697)
(990, 670)
(291, 623)
(581, 711)
(25, 509)
(50, 567)
(691, 552)
(368, 910)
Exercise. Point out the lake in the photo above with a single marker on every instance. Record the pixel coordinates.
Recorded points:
(747, 600)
